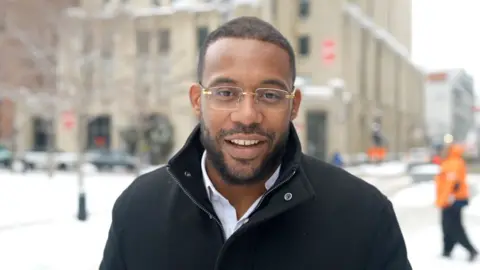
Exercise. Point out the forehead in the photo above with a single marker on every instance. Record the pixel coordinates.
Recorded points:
(247, 61)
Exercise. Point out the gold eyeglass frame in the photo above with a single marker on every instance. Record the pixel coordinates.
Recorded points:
(206, 91)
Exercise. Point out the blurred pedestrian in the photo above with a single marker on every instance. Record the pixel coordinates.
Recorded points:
(241, 194)
(452, 197)
(337, 159)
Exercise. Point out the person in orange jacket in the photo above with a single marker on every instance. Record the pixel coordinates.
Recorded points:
(452, 197)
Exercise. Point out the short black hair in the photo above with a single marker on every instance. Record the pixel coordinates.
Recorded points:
(247, 28)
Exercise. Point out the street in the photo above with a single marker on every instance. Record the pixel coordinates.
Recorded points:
(38, 229)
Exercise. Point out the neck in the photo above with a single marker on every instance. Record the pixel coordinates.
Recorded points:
(241, 197)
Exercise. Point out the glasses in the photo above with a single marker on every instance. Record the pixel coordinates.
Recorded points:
(229, 97)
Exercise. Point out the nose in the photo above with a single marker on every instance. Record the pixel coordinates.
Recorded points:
(247, 112)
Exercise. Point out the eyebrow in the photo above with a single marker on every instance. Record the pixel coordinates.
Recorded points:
(226, 80)
(276, 83)
(221, 80)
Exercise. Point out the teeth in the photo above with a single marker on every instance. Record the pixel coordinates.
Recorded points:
(245, 142)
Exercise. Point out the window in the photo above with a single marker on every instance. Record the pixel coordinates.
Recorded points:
(163, 36)
(304, 45)
(99, 132)
(202, 33)
(143, 42)
(304, 8)
(40, 133)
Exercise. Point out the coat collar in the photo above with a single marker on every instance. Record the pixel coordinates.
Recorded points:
(185, 166)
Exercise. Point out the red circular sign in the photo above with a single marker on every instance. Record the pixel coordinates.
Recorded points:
(68, 119)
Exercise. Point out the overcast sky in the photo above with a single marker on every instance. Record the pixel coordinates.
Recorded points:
(446, 34)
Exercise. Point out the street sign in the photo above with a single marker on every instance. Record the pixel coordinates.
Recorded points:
(68, 119)
(328, 51)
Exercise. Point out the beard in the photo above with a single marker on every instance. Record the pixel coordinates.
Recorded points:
(254, 175)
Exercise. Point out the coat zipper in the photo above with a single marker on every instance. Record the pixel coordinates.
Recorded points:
(225, 241)
(294, 170)
(199, 205)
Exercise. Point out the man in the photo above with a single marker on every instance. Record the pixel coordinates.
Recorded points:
(452, 197)
(240, 194)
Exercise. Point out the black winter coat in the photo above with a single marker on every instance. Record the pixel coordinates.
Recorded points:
(317, 216)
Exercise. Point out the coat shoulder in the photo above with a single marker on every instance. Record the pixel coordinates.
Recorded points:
(146, 190)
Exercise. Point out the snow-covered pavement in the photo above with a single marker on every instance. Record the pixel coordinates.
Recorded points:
(425, 246)
(387, 169)
(60, 245)
(34, 198)
(38, 230)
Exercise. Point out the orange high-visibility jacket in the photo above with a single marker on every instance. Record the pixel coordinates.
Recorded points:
(451, 182)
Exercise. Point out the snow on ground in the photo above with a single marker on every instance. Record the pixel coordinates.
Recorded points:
(34, 198)
(425, 247)
(49, 237)
(387, 169)
(423, 195)
(474, 206)
(60, 245)
(430, 169)
(78, 246)
(419, 195)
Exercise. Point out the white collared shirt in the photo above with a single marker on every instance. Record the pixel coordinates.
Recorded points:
(224, 210)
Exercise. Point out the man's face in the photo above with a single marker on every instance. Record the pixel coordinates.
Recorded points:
(244, 144)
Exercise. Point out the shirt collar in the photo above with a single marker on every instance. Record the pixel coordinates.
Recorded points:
(211, 189)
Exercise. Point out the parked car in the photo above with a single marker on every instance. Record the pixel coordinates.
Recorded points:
(418, 156)
(38, 159)
(108, 160)
(6, 157)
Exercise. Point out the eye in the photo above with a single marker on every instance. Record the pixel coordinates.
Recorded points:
(225, 93)
(271, 95)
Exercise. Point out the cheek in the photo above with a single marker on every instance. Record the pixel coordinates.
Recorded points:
(214, 121)
(278, 121)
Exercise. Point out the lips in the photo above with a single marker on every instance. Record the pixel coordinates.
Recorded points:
(245, 147)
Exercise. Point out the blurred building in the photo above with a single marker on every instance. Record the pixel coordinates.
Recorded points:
(28, 36)
(353, 65)
(449, 105)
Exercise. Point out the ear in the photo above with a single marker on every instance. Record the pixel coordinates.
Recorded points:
(297, 99)
(195, 94)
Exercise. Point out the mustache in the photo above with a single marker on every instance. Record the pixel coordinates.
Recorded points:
(246, 129)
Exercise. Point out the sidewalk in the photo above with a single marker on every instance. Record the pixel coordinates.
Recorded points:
(420, 223)
(35, 199)
(425, 247)
(64, 243)
(59, 245)
(385, 170)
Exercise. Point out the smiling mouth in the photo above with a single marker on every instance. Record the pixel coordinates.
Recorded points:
(244, 143)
